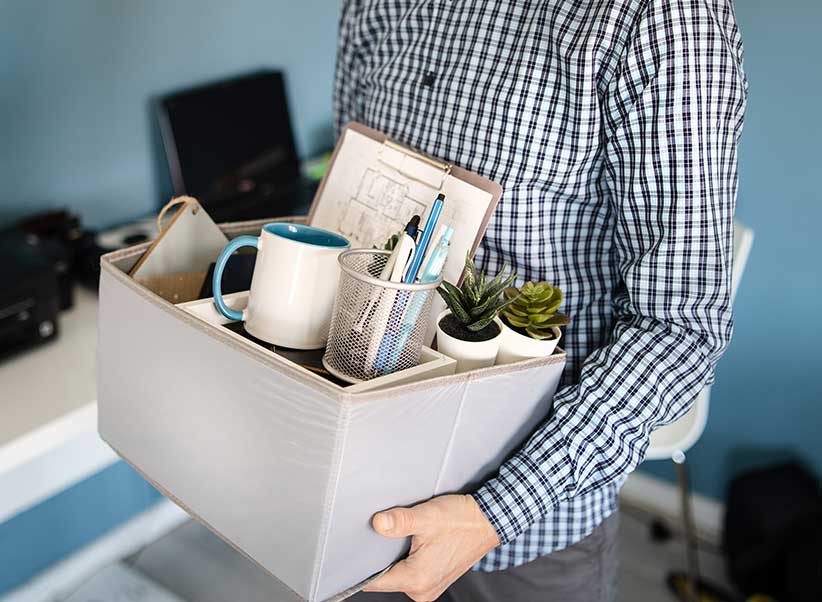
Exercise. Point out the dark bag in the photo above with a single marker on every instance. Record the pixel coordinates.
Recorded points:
(773, 533)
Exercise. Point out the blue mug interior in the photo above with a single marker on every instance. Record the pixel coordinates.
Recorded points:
(307, 234)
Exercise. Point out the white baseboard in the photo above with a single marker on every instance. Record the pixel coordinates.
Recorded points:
(661, 498)
(51, 459)
(64, 577)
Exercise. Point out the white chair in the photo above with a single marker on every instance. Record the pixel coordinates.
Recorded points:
(673, 440)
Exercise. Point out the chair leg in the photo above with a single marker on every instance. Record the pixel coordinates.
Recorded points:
(688, 523)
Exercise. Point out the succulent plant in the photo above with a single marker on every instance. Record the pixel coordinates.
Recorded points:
(477, 301)
(533, 309)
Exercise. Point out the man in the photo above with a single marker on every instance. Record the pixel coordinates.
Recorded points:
(613, 127)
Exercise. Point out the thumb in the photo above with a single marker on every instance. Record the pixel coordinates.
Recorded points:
(397, 522)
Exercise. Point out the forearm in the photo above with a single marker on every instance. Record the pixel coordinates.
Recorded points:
(600, 427)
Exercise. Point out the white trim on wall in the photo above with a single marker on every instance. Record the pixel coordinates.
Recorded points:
(662, 499)
(50, 459)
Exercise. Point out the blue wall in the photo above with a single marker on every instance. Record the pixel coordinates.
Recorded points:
(76, 78)
(767, 402)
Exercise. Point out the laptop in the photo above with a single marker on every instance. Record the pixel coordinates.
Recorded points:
(230, 145)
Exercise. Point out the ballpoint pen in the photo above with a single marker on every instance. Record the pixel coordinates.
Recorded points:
(393, 270)
(425, 239)
(406, 249)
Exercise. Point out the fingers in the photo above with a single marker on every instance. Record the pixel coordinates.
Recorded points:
(401, 578)
(404, 577)
(449, 534)
(397, 522)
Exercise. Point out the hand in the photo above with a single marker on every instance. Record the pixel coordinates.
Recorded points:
(449, 535)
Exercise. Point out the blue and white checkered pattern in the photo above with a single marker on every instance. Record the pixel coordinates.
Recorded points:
(613, 127)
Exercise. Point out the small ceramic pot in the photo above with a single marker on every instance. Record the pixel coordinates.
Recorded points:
(515, 347)
(470, 355)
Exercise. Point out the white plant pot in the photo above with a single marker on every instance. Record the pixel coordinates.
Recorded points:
(515, 347)
(470, 355)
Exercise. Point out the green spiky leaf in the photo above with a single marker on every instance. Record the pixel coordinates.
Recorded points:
(470, 279)
(496, 285)
(480, 324)
(504, 283)
(482, 307)
(500, 281)
(451, 295)
(481, 285)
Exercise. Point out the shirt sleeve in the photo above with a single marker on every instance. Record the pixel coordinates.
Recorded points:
(347, 66)
(672, 115)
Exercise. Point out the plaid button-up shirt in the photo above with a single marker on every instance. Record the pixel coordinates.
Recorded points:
(612, 126)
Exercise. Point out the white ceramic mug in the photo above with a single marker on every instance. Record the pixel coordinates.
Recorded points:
(293, 287)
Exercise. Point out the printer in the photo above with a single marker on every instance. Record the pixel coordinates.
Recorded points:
(29, 297)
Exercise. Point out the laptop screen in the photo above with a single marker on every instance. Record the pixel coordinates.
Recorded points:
(230, 139)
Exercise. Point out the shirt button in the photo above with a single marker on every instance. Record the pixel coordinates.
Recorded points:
(428, 80)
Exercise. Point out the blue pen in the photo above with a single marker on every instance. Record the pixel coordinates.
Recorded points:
(435, 264)
(425, 240)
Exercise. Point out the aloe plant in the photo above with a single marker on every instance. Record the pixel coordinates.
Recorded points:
(477, 301)
(533, 309)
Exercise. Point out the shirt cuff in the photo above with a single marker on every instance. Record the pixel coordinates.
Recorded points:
(515, 499)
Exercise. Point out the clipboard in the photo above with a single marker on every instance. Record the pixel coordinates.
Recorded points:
(373, 185)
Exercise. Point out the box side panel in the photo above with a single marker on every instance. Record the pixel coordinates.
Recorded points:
(523, 367)
(498, 415)
(391, 456)
(247, 449)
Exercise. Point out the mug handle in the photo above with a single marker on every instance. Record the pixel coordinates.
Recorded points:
(216, 284)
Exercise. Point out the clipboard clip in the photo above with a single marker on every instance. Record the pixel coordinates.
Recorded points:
(414, 165)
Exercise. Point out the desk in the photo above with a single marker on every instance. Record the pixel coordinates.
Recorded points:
(48, 416)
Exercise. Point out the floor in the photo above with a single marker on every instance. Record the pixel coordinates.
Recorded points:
(197, 566)
(644, 563)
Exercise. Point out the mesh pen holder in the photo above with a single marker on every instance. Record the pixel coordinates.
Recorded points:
(378, 327)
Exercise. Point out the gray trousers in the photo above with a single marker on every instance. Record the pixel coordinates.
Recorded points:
(583, 572)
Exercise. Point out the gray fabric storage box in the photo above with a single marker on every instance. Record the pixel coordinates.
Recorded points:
(287, 467)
